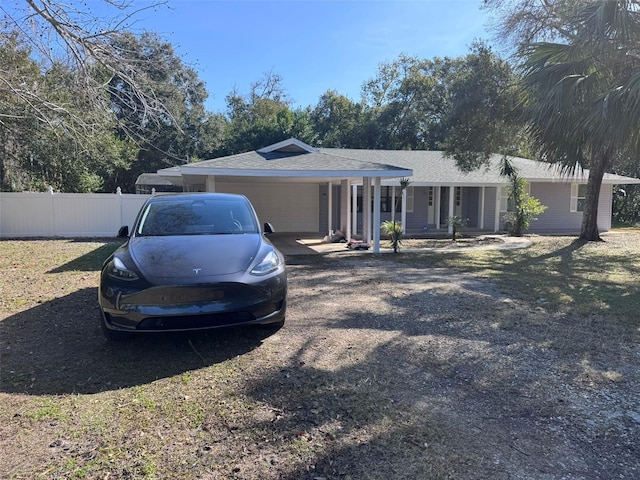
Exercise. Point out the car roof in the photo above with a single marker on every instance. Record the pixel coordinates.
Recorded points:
(169, 197)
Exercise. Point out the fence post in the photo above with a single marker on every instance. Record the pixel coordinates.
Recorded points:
(52, 217)
(120, 206)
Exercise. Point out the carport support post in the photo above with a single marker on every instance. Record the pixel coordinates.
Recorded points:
(436, 203)
(452, 211)
(330, 208)
(403, 214)
(393, 203)
(210, 183)
(354, 210)
(481, 212)
(496, 220)
(366, 209)
(376, 215)
(345, 208)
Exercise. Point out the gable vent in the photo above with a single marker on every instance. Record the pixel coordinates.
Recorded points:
(291, 145)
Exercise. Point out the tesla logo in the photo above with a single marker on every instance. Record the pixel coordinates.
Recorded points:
(196, 270)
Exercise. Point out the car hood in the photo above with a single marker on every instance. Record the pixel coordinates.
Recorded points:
(193, 258)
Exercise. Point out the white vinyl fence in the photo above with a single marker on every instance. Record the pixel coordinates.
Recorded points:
(71, 215)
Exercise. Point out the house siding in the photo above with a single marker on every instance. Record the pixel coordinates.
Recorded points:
(418, 221)
(470, 206)
(605, 208)
(558, 218)
(323, 201)
(490, 204)
(288, 207)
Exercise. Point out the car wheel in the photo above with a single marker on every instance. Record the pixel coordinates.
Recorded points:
(112, 335)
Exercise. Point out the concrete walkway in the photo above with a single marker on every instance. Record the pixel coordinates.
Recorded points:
(311, 244)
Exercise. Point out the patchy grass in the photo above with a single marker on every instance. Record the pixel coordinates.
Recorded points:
(474, 364)
(562, 273)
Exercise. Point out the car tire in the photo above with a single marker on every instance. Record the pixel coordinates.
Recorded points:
(111, 335)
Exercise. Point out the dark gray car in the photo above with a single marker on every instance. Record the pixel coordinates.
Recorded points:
(191, 262)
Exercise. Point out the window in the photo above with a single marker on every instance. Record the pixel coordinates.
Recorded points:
(430, 196)
(578, 196)
(386, 199)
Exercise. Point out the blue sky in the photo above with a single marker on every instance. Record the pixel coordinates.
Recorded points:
(313, 45)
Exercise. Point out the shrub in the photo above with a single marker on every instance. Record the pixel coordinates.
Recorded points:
(394, 231)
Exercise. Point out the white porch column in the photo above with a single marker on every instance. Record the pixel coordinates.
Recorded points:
(452, 196)
(436, 206)
(354, 210)
(496, 224)
(366, 209)
(210, 184)
(481, 212)
(403, 210)
(376, 215)
(329, 208)
(393, 203)
(345, 208)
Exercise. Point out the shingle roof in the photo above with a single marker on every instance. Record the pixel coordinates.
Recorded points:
(152, 179)
(292, 158)
(434, 168)
(291, 163)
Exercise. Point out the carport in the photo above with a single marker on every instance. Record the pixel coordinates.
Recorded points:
(284, 182)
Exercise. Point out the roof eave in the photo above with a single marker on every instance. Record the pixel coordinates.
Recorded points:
(290, 173)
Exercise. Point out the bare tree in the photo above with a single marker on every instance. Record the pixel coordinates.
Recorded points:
(520, 22)
(86, 43)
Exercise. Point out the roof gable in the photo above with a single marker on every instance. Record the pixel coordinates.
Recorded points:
(291, 145)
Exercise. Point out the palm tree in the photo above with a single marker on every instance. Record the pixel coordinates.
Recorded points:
(525, 207)
(583, 96)
(391, 227)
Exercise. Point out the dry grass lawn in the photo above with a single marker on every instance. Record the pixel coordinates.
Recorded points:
(466, 365)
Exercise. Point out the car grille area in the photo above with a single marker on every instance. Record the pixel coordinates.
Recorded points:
(194, 322)
(184, 295)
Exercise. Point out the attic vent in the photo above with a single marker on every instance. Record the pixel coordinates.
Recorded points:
(291, 145)
(291, 148)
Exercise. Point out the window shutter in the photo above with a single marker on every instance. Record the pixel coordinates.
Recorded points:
(409, 199)
(504, 197)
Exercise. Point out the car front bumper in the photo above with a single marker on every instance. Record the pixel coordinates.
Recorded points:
(193, 307)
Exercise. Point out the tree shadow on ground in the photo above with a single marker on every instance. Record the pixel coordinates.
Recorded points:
(58, 348)
(419, 410)
(449, 378)
(90, 261)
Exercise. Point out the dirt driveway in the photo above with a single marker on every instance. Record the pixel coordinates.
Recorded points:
(384, 370)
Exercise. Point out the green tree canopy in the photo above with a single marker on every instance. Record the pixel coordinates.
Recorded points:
(188, 131)
(464, 106)
(583, 103)
(263, 117)
(481, 117)
(44, 127)
(337, 121)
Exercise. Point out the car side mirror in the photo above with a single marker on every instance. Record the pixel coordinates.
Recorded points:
(268, 228)
(123, 232)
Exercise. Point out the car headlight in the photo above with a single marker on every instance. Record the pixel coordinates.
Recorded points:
(270, 263)
(117, 269)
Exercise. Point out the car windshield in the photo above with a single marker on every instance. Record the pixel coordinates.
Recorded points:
(197, 217)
